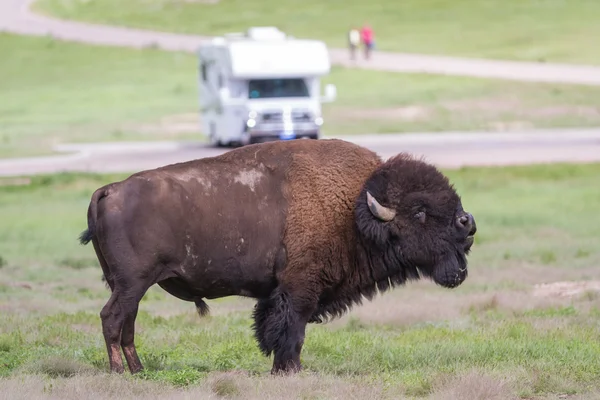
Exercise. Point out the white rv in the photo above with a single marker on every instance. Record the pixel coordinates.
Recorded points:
(262, 85)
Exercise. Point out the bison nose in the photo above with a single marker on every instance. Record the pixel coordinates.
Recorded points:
(467, 222)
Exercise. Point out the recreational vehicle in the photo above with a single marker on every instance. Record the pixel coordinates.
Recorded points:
(262, 85)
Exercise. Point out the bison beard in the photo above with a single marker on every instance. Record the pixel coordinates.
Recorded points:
(322, 225)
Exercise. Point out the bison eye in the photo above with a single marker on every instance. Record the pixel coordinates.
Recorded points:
(420, 216)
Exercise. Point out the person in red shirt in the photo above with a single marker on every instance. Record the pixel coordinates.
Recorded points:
(367, 38)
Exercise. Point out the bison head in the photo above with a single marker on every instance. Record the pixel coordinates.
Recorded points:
(412, 222)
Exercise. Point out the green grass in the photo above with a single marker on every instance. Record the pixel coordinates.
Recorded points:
(379, 102)
(536, 224)
(533, 30)
(61, 92)
(64, 92)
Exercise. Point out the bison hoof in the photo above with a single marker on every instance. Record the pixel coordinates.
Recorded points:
(288, 368)
(134, 370)
(117, 370)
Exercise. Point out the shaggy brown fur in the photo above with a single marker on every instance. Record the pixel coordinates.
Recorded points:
(288, 223)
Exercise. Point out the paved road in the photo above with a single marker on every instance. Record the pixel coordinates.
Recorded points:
(448, 150)
(16, 17)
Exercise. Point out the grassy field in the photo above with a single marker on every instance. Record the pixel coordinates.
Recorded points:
(498, 336)
(377, 102)
(533, 30)
(61, 92)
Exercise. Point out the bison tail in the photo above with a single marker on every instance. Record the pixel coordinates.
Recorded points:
(86, 236)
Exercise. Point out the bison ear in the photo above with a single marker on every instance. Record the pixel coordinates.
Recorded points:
(380, 212)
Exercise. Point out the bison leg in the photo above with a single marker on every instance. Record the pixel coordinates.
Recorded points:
(112, 324)
(287, 356)
(118, 320)
(128, 345)
(279, 325)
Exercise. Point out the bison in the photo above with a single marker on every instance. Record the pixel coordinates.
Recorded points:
(307, 228)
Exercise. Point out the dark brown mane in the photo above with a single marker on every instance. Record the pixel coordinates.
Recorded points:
(378, 267)
(375, 272)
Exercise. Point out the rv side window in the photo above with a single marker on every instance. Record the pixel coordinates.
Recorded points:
(203, 71)
(266, 88)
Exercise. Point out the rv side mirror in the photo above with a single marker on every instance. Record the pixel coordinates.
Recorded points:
(224, 95)
(225, 98)
(330, 93)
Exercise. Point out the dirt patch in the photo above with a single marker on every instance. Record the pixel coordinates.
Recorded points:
(553, 111)
(408, 306)
(539, 112)
(198, 1)
(15, 181)
(408, 113)
(524, 275)
(229, 385)
(21, 285)
(170, 125)
(514, 290)
(510, 126)
(473, 385)
(499, 107)
(565, 289)
(514, 105)
(487, 105)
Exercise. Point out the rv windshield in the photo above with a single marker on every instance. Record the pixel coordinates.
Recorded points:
(268, 88)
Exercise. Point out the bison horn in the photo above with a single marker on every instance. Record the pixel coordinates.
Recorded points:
(379, 211)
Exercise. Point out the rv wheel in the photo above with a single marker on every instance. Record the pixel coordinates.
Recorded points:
(214, 141)
(246, 139)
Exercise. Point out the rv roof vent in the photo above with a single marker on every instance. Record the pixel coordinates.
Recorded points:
(265, 33)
